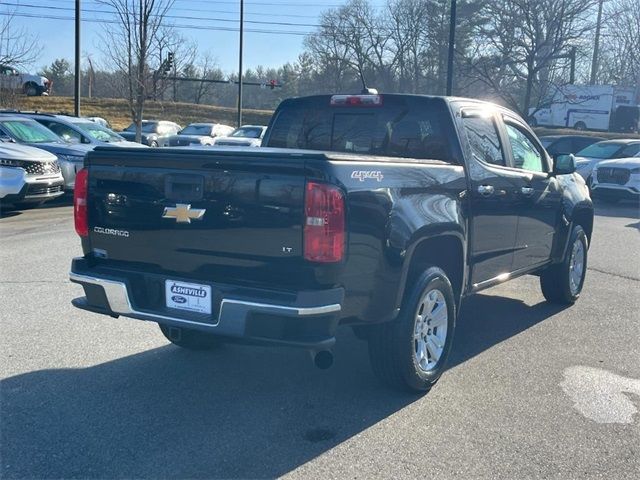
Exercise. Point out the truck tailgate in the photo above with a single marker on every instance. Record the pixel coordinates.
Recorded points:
(213, 215)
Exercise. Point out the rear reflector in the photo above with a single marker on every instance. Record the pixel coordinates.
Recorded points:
(80, 214)
(324, 223)
(356, 100)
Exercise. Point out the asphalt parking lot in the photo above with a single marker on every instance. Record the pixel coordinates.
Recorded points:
(532, 391)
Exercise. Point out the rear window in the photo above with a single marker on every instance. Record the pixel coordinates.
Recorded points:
(410, 127)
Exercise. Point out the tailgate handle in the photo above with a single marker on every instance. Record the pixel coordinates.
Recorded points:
(185, 188)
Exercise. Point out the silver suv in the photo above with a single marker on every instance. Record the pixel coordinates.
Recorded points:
(28, 176)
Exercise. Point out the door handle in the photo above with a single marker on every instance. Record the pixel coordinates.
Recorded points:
(527, 191)
(485, 190)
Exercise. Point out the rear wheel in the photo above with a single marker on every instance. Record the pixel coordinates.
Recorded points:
(580, 126)
(562, 283)
(30, 90)
(189, 338)
(411, 352)
(154, 144)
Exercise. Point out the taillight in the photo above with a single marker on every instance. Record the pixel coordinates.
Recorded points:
(80, 192)
(367, 100)
(324, 223)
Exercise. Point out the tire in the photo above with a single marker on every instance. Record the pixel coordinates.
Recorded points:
(580, 126)
(393, 348)
(30, 90)
(154, 144)
(189, 339)
(562, 283)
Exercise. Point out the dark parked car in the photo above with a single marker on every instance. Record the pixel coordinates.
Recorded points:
(555, 144)
(199, 134)
(381, 212)
(155, 133)
(21, 129)
(80, 130)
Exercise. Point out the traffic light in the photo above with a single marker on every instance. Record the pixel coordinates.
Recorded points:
(168, 63)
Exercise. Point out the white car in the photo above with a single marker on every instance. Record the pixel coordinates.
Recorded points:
(245, 136)
(589, 157)
(619, 179)
(30, 85)
(28, 176)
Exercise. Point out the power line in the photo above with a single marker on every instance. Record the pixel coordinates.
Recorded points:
(180, 17)
(179, 26)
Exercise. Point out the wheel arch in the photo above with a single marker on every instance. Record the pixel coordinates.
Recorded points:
(446, 250)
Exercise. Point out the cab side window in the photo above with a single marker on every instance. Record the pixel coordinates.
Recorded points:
(484, 140)
(526, 155)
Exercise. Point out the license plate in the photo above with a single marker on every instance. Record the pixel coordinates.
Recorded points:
(191, 297)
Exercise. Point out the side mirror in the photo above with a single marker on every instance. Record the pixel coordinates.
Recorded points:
(564, 164)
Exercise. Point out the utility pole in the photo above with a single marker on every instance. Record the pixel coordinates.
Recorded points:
(76, 89)
(596, 45)
(572, 68)
(240, 65)
(452, 41)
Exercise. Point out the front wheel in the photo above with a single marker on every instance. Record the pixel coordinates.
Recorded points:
(562, 283)
(154, 144)
(411, 352)
(189, 338)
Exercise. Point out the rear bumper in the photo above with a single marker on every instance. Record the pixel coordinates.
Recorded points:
(305, 319)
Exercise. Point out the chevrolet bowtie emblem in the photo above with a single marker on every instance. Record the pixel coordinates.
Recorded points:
(183, 213)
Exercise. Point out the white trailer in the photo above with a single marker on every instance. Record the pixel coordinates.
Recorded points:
(584, 107)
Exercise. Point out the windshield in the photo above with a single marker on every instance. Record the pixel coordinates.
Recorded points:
(599, 150)
(411, 127)
(147, 127)
(247, 132)
(98, 132)
(196, 130)
(29, 131)
(546, 142)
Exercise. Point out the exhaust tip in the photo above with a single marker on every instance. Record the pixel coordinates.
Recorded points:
(323, 359)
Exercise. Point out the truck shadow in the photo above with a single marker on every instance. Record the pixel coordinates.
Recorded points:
(239, 412)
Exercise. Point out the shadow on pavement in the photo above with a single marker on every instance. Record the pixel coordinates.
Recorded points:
(622, 209)
(237, 412)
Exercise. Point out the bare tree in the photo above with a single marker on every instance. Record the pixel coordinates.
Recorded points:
(18, 48)
(131, 46)
(520, 48)
(621, 44)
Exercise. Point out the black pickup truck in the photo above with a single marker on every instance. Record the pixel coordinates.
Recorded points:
(381, 212)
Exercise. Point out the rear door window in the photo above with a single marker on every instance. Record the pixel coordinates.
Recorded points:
(415, 128)
(484, 140)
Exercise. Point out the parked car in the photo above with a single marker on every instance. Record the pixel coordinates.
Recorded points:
(555, 144)
(617, 179)
(81, 130)
(28, 176)
(199, 134)
(380, 212)
(100, 121)
(245, 136)
(155, 133)
(21, 129)
(30, 85)
(588, 158)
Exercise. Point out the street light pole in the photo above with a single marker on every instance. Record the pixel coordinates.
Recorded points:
(240, 65)
(596, 46)
(452, 41)
(76, 88)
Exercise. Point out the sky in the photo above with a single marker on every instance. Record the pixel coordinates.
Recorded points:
(211, 24)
